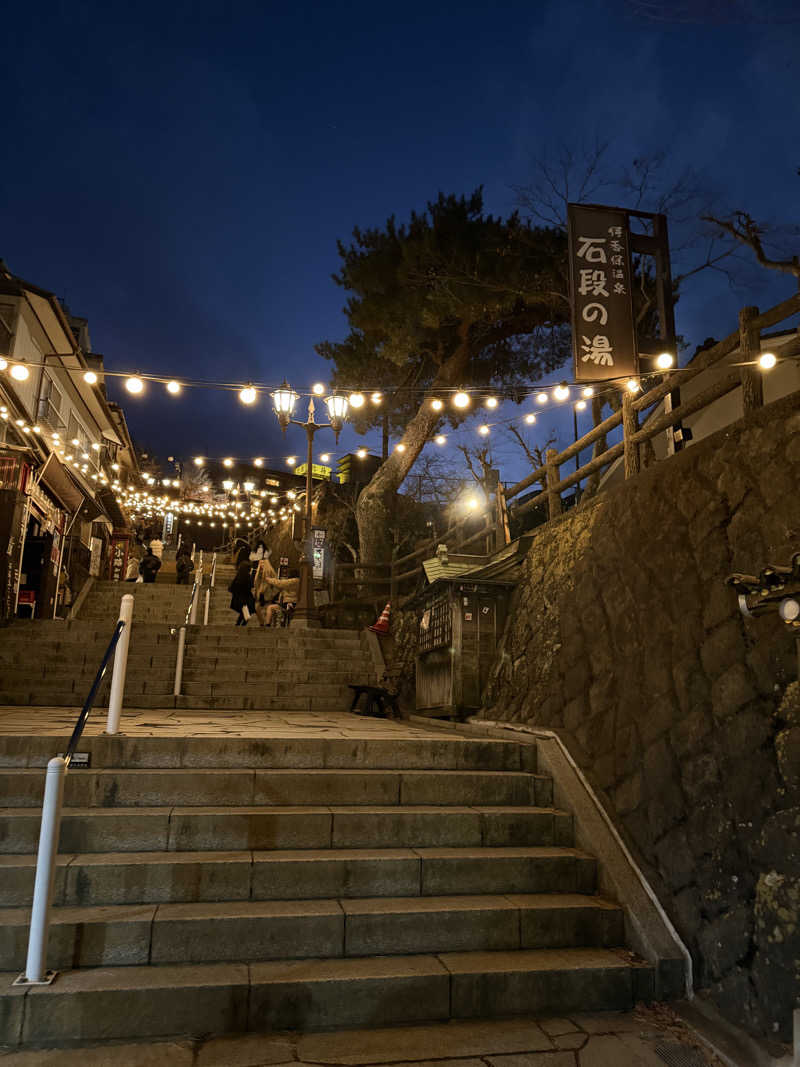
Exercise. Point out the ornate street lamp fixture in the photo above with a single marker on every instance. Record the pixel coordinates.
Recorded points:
(284, 400)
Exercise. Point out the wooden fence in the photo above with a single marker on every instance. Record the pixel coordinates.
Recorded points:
(372, 584)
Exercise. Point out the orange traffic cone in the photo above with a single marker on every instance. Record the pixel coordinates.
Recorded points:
(382, 625)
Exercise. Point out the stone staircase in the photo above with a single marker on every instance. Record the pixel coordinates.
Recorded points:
(52, 663)
(215, 885)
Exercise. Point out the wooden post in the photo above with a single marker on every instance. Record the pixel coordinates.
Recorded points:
(630, 424)
(750, 349)
(552, 478)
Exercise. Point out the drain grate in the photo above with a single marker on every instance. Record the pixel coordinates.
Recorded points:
(676, 1055)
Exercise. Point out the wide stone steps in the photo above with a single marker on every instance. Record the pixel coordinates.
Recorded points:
(284, 874)
(196, 828)
(250, 931)
(323, 993)
(112, 787)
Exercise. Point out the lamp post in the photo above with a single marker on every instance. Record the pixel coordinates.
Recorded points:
(284, 400)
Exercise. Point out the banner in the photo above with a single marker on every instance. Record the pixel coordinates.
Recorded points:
(603, 331)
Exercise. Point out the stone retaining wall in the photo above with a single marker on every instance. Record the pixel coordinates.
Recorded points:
(625, 637)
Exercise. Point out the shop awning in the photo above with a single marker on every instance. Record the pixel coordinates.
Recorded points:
(56, 478)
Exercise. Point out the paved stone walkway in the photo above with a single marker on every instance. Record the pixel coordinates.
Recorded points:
(648, 1037)
(153, 722)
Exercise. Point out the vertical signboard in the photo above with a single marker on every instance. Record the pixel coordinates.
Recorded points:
(318, 549)
(603, 333)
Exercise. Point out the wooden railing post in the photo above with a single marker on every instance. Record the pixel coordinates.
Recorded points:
(630, 424)
(750, 348)
(552, 478)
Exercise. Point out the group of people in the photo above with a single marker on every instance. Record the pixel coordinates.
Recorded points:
(257, 590)
(144, 561)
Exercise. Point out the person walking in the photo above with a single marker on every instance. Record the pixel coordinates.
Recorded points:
(183, 565)
(134, 559)
(242, 600)
(150, 566)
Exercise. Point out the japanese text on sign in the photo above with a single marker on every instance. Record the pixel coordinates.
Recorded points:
(602, 309)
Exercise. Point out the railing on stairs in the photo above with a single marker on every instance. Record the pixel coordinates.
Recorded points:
(189, 619)
(36, 972)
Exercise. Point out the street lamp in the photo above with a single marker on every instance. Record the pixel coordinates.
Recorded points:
(284, 400)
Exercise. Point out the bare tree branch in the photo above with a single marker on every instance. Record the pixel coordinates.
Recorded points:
(744, 229)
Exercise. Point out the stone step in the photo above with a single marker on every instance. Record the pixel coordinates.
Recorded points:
(193, 877)
(120, 1002)
(248, 931)
(111, 788)
(197, 828)
(420, 752)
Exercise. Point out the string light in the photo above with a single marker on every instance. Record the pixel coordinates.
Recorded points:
(580, 405)
(376, 398)
(766, 361)
(632, 385)
(90, 377)
(318, 389)
(174, 387)
(437, 404)
(3, 363)
(198, 461)
(542, 398)
(325, 457)
(561, 391)
(258, 461)
(20, 372)
(484, 430)
(491, 402)
(400, 447)
(291, 460)
(440, 439)
(530, 418)
(227, 462)
(356, 400)
(134, 385)
(362, 453)
(664, 361)
(588, 391)
(461, 400)
(247, 395)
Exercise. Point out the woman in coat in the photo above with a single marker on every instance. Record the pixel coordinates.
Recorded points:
(241, 593)
(183, 565)
(150, 566)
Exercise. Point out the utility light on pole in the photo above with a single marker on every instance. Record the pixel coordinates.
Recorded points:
(284, 400)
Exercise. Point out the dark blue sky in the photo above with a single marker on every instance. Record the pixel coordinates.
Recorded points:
(181, 172)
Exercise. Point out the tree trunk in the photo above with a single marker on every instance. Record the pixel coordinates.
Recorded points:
(376, 505)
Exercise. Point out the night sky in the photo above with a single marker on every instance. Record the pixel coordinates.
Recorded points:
(180, 173)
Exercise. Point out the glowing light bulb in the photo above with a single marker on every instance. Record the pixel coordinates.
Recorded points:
(174, 388)
(400, 447)
(325, 457)
(318, 389)
(437, 404)
(491, 402)
(588, 391)
(530, 418)
(90, 377)
(580, 405)
(3, 363)
(356, 400)
(134, 385)
(227, 462)
(766, 361)
(376, 398)
(561, 391)
(198, 461)
(258, 462)
(632, 385)
(291, 460)
(362, 453)
(461, 400)
(484, 430)
(249, 487)
(542, 398)
(247, 395)
(664, 361)
(440, 439)
(20, 372)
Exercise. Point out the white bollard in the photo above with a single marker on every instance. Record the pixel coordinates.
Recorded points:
(200, 567)
(193, 609)
(205, 609)
(120, 666)
(36, 965)
(176, 689)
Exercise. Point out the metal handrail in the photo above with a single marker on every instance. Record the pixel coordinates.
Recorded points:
(191, 604)
(89, 702)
